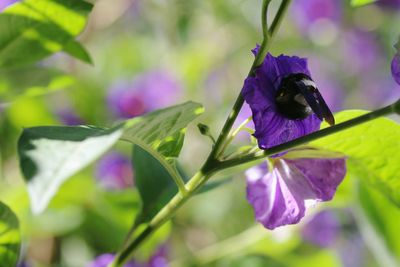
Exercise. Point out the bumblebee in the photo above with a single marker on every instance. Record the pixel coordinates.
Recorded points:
(298, 97)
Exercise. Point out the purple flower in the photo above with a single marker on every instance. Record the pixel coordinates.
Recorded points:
(114, 171)
(158, 259)
(272, 126)
(306, 13)
(149, 91)
(6, 3)
(105, 259)
(300, 177)
(396, 68)
(323, 229)
(23, 264)
(68, 117)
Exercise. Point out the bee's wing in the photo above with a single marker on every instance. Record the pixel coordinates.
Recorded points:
(326, 112)
(316, 101)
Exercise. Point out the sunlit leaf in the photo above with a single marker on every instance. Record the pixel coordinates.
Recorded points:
(10, 238)
(156, 129)
(358, 3)
(374, 146)
(50, 155)
(31, 81)
(378, 222)
(34, 29)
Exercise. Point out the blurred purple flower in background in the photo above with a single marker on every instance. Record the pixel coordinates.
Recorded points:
(388, 3)
(6, 3)
(105, 259)
(147, 92)
(361, 52)
(328, 86)
(307, 12)
(68, 117)
(279, 196)
(323, 229)
(260, 92)
(377, 90)
(395, 66)
(158, 259)
(23, 264)
(114, 171)
(318, 19)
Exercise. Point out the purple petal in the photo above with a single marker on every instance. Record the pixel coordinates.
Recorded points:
(271, 128)
(396, 68)
(324, 175)
(255, 50)
(279, 196)
(6, 3)
(273, 200)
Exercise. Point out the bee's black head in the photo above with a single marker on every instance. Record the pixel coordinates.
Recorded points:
(298, 97)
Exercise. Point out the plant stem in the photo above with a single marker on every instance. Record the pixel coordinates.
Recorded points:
(231, 136)
(212, 162)
(162, 216)
(393, 108)
(268, 34)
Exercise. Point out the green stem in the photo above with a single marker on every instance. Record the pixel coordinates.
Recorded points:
(394, 108)
(212, 162)
(232, 136)
(268, 34)
(162, 216)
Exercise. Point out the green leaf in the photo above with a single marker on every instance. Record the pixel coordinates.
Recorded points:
(159, 128)
(378, 220)
(358, 3)
(162, 132)
(31, 81)
(10, 238)
(374, 146)
(34, 29)
(76, 50)
(49, 155)
(154, 183)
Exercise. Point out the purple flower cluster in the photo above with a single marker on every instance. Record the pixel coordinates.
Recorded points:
(301, 177)
(147, 92)
(114, 171)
